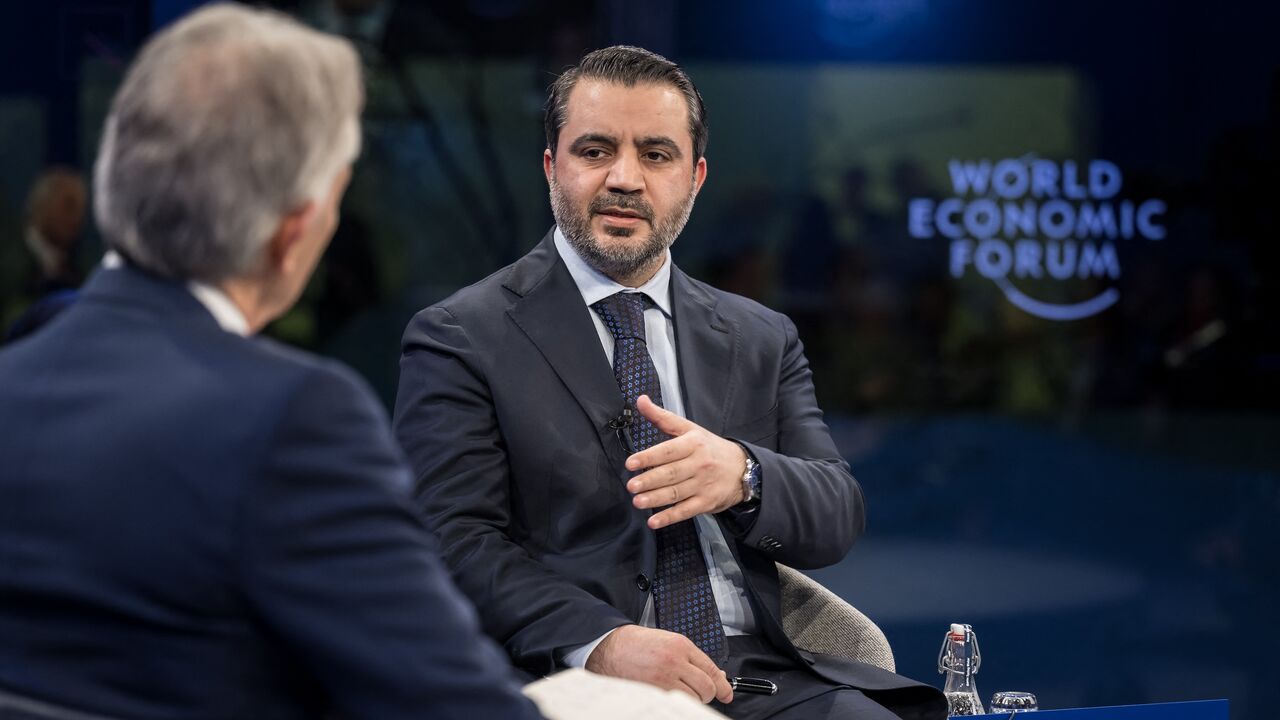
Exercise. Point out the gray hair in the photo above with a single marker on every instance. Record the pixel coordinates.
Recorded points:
(226, 121)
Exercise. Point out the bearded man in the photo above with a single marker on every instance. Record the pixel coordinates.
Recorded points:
(613, 454)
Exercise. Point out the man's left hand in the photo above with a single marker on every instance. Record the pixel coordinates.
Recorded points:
(694, 472)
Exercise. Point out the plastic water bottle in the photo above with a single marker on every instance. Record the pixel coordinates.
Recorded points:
(959, 660)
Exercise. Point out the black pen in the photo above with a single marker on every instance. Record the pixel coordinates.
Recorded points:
(756, 686)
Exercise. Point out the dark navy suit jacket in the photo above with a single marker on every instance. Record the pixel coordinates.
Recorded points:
(505, 407)
(199, 525)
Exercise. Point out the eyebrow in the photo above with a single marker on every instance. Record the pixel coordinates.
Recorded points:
(649, 141)
(661, 141)
(591, 139)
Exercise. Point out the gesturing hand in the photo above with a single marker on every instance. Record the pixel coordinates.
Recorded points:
(665, 659)
(694, 472)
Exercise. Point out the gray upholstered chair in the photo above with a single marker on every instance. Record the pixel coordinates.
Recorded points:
(817, 620)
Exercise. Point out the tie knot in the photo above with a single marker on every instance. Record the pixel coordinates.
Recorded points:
(623, 314)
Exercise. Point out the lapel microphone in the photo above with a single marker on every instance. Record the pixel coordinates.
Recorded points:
(623, 420)
(622, 426)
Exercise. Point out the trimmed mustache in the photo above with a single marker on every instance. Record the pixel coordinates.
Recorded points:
(602, 203)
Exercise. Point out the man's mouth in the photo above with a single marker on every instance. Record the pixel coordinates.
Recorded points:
(621, 213)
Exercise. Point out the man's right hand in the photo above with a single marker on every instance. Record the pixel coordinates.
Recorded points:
(665, 659)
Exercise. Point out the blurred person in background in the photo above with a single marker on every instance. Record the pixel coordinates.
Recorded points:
(55, 222)
(196, 522)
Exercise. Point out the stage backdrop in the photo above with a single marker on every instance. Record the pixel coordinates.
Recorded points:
(1031, 249)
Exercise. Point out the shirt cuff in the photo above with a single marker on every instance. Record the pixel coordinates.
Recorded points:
(577, 658)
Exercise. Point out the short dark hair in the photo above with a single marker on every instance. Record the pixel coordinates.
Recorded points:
(625, 65)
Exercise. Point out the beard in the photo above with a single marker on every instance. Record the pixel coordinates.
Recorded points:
(618, 261)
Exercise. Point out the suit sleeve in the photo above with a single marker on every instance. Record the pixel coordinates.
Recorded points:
(811, 508)
(339, 566)
(446, 421)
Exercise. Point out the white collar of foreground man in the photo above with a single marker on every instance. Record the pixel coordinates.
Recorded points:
(596, 286)
(224, 311)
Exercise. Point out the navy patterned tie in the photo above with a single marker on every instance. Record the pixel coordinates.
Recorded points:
(681, 589)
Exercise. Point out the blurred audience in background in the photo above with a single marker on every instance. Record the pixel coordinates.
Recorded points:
(55, 222)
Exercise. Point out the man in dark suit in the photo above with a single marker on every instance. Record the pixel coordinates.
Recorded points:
(194, 522)
(615, 455)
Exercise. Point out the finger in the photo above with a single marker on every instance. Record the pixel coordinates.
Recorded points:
(666, 421)
(724, 691)
(686, 687)
(661, 454)
(679, 512)
(672, 473)
(701, 683)
(720, 683)
(668, 495)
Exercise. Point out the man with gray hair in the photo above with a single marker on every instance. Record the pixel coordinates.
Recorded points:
(195, 522)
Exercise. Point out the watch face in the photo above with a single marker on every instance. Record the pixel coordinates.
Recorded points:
(752, 480)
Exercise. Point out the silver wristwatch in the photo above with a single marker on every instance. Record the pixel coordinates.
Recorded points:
(751, 480)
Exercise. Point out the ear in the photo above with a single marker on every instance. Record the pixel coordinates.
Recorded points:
(548, 164)
(281, 257)
(699, 174)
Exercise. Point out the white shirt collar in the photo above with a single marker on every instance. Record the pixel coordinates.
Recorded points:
(596, 286)
(225, 312)
(220, 307)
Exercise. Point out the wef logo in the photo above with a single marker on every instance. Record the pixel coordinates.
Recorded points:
(1032, 220)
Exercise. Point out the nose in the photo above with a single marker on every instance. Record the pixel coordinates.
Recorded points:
(626, 177)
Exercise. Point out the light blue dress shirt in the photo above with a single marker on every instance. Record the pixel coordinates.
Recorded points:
(726, 577)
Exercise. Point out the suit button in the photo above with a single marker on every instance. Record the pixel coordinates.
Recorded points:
(642, 582)
(769, 543)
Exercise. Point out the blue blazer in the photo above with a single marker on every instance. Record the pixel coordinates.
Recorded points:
(505, 407)
(199, 525)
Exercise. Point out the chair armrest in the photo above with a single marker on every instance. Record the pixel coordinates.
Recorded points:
(818, 620)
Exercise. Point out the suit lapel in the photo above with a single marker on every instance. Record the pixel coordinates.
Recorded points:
(551, 313)
(707, 346)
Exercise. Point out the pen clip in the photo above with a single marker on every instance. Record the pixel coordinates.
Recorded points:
(757, 686)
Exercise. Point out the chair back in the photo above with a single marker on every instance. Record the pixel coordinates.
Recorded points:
(818, 620)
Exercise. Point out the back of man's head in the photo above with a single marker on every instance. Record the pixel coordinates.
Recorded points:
(226, 121)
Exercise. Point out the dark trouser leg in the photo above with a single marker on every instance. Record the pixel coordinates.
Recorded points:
(838, 704)
(802, 694)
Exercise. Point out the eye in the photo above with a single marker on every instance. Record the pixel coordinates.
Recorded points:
(656, 156)
(593, 153)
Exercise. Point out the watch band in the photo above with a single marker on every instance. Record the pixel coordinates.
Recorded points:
(751, 480)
